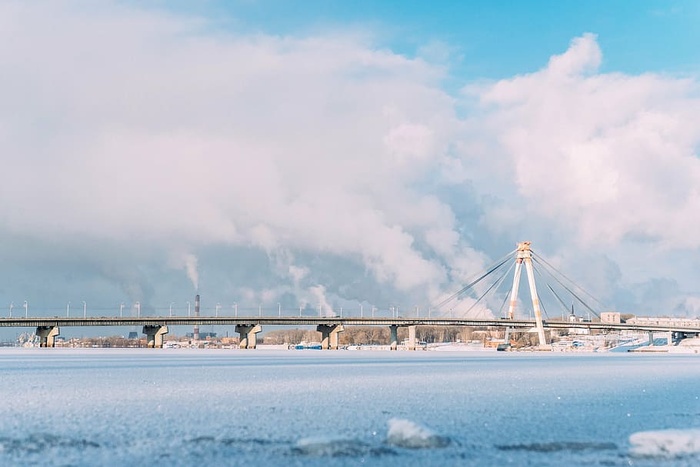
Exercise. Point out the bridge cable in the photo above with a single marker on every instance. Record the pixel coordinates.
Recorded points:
(539, 273)
(471, 285)
(544, 309)
(456, 295)
(558, 281)
(573, 293)
(505, 299)
(540, 258)
(491, 269)
(566, 307)
(503, 305)
(585, 304)
(498, 282)
(553, 272)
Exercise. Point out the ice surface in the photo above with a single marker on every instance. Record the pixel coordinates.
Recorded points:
(665, 443)
(558, 446)
(338, 447)
(236, 407)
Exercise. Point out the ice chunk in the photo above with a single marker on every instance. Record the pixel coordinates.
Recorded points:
(407, 434)
(665, 443)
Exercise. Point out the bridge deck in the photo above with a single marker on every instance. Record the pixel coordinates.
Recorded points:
(314, 321)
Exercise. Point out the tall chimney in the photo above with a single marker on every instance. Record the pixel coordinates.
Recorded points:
(195, 331)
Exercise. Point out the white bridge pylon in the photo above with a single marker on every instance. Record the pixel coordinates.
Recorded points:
(524, 256)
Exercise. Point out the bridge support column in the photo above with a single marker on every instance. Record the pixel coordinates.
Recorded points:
(47, 335)
(669, 338)
(678, 336)
(394, 340)
(154, 335)
(651, 338)
(330, 335)
(249, 335)
(411, 338)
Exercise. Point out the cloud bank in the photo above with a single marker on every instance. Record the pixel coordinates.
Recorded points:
(141, 148)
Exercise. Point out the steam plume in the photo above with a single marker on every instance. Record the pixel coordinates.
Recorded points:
(191, 268)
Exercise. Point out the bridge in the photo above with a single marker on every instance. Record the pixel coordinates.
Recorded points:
(155, 327)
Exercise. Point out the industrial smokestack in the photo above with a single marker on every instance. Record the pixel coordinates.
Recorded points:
(195, 331)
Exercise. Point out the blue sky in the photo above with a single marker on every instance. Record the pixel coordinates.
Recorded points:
(344, 154)
(492, 39)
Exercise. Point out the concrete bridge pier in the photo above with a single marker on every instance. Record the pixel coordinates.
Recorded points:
(394, 340)
(154, 335)
(249, 335)
(651, 338)
(411, 338)
(676, 337)
(330, 335)
(47, 335)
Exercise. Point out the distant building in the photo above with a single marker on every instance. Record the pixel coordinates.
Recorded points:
(578, 331)
(610, 317)
(202, 335)
(664, 321)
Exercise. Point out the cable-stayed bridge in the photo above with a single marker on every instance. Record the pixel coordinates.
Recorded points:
(441, 314)
(156, 326)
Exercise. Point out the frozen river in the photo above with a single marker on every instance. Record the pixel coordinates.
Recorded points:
(231, 407)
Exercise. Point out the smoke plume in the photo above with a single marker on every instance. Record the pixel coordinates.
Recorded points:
(191, 264)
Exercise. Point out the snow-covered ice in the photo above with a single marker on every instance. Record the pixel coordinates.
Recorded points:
(234, 407)
(407, 434)
(671, 444)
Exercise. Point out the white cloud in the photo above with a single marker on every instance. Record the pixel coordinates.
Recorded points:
(612, 155)
(600, 169)
(583, 56)
(139, 127)
(149, 136)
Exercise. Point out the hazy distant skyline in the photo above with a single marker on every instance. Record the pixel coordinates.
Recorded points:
(330, 153)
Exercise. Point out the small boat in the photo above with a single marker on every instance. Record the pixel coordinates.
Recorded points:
(308, 346)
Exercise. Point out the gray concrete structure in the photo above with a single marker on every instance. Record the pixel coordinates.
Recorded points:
(47, 335)
(154, 335)
(411, 344)
(330, 338)
(394, 339)
(315, 321)
(249, 335)
(671, 337)
(681, 330)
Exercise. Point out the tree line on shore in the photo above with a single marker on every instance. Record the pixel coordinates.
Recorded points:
(374, 335)
(352, 335)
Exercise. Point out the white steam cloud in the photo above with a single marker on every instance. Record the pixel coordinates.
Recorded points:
(319, 294)
(192, 270)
